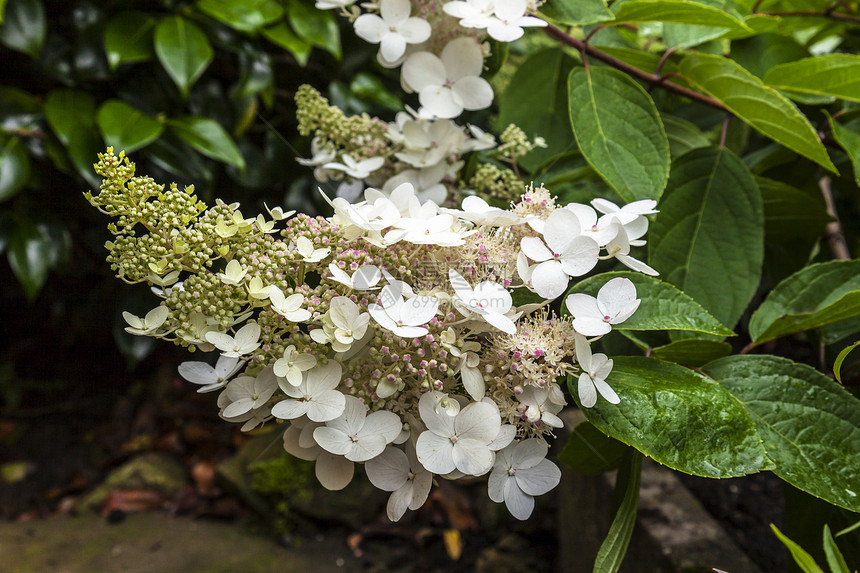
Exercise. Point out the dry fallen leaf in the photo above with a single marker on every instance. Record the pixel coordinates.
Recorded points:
(453, 543)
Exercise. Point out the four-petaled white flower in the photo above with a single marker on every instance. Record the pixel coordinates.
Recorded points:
(349, 323)
(356, 435)
(233, 274)
(595, 369)
(210, 378)
(315, 397)
(616, 302)
(521, 472)
(563, 253)
(147, 325)
(619, 247)
(403, 475)
(305, 248)
(537, 406)
(247, 340)
(480, 212)
(356, 169)
(403, 318)
(246, 393)
(290, 307)
(460, 442)
(392, 29)
(293, 364)
(472, 13)
(490, 300)
(449, 83)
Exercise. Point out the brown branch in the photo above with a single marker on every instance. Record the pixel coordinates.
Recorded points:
(632, 71)
(835, 234)
(841, 16)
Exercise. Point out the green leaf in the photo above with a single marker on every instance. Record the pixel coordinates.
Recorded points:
(829, 75)
(663, 306)
(708, 237)
(23, 27)
(282, 36)
(128, 38)
(814, 296)
(835, 560)
(29, 256)
(840, 358)
(790, 213)
(619, 131)
(543, 112)
(677, 11)
(576, 12)
(687, 35)
(243, 15)
(589, 451)
(614, 547)
(683, 135)
(257, 75)
(71, 114)
(850, 142)
(803, 559)
(680, 418)
(125, 127)
(14, 168)
(809, 424)
(760, 53)
(209, 138)
(183, 50)
(316, 26)
(692, 352)
(761, 106)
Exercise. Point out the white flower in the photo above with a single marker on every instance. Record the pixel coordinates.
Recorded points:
(349, 323)
(210, 378)
(449, 84)
(490, 300)
(595, 369)
(566, 253)
(480, 139)
(315, 396)
(601, 230)
(403, 475)
(631, 216)
(537, 406)
(458, 442)
(333, 472)
(197, 333)
(357, 436)
(293, 364)
(472, 13)
(356, 169)
(365, 278)
(393, 29)
(320, 156)
(619, 247)
(509, 19)
(403, 318)
(427, 182)
(252, 418)
(521, 472)
(257, 289)
(247, 392)
(233, 274)
(426, 142)
(616, 302)
(289, 307)
(147, 325)
(305, 248)
(247, 340)
(277, 213)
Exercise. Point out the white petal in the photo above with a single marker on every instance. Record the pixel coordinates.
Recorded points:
(334, 472)
(462, 57)
(294, 448)
(392, 46)
(435, 453)
(535, 249)
(587, 392)
(419, 310)
(289, 409)
(636, 265)
(352, 419)
(529, 453)
(366, 448)
(399, 502)
(382, 423)
(473, 382)
(496, 483)
(415, 30)
(616, 295)
(501, 322)
(197, 372)
(326, 406)
(420, 488)
(492, 296)
(395, 12)
(561, 227)
(581, 305)
(472, 92)
(539, 479)
(504, 32)
(518, 503)
(423, 69)
(549, 280)
(389, 470)
(439, 101)
(332, 440)
(478, 421)
(591, 326)
(580, 256)
(472, 457)
(507, 433)
(324, 377)
(440, 424)
(606, 391)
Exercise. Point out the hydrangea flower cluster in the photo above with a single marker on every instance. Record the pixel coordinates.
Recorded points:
(386, 334)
